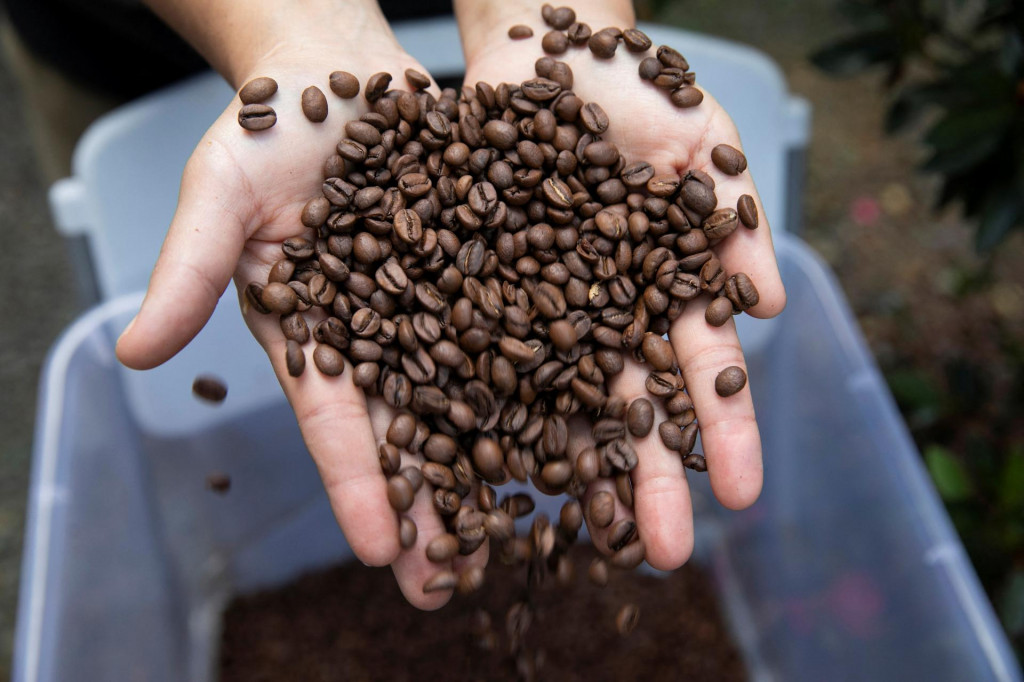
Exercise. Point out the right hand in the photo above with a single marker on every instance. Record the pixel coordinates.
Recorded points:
(242, 194)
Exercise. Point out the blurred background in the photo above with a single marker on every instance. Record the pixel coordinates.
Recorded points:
(913, 195)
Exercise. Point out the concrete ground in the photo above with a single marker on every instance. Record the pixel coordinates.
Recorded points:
(862, 199)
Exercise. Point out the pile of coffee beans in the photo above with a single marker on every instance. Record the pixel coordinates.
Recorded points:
(483, 261)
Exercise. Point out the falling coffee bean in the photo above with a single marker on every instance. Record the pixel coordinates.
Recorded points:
(218, 482)
(209, 388)
(627, 618)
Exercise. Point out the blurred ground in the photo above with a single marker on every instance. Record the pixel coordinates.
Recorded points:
(903, 268)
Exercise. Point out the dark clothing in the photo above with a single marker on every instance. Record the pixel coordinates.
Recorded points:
(121, 48)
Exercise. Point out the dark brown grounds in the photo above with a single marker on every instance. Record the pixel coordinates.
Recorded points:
(351, 623)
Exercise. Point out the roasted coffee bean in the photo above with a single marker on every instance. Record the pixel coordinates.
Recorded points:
(747, 211)
(520, 31)
(439, 582)
(629, 557)
(627, 618)
(636, 40)
(601, 509)
(720, 224)
(328, 360)
(649, 68)
(671, 58)
(556, 473)
(376, 86)
(344, 85)
(671, 435)
(257, 90)
(279, 298)
(418, 80)
(256, 117)
(443, 548)
(686, 96)
(603, 43)
(314, 104)
(593, 118)
(640, 417)
(294, 327)
(730, 381)
(407, 532)
(554, 42)
(598, 572)
(295, 358)
(661, 384)
(365, 374)
(658, 352)
(729, 160)
(400, 493)
(718, 311)
(578, 33)
(696, 462)
(209, 388)
(621, 533)
(588, 465)
(741, 292)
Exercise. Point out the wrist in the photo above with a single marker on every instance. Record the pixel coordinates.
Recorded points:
(484, 24)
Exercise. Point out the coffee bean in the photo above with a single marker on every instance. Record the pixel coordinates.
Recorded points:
(621, 533)
(279, 298)
(256, 117)
(561, 18)
(747, 211)
(729, 160)
(686, 96)
(671, 58)
(344, 85)
(376, 86)
(442, 548)
(593, 118)
(520, 31)
(439, 582)
(671, 435)
(578, 33)
(554, 42)
(314, 104)
(598, 572)
(328, 360)
(627, 618)
(601, 509)
(407, 532)
(257, 90)
(649, 68)
(629, 557)
(730, 381)
(741, 292)
(294, 327)
(658, 352)
(209, 388)
(418, 80)
(718, 312)
(400, 493)
(695, 462)
(603, 43)
(218, 482)
(720, 224)
(295, 358)
(636, 40)
(640, 417)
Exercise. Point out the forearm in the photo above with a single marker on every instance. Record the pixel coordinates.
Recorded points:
(236, 35)
(482, 21)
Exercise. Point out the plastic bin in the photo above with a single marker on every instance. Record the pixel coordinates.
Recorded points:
(846, 568)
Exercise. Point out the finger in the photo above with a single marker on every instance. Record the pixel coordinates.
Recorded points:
(195, 264)
(661, 497)
(336, 427)
(580, 439)
(728, 429)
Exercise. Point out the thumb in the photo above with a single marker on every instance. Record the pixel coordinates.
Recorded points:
(196, 261)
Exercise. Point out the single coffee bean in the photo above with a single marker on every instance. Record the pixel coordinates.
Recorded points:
(365, 374)
(314, 104)
(578, 33)
(407, 532)
(376, 86)
(418, 80)
(209, 388)
(696, 462)
(603, 43)
(627, 618)
(593, 118)
(729, 160)
(470, 580)
(686, 96)
(730, 381)
(671, 435)
(439, 582)
(554, 42)
(218, 482)
(570, 517)
(561, 18)
(740, 290)
(672, 59)
(442, 548)
(256, 117)
(658, 352)
(640, 417)
(720, 224)
(601, 509)
(598, 572)
(279, 298)
(344, 85)
(649, 68)
(328, 360)
(257, 90)
(621, 533)
(295, 358)
(520, 31)
(400, 493)
(718, 311)
(629, 557)
(747, 211)
(588, 465)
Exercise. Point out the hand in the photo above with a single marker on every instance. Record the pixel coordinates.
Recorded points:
(645, 125)
(242, 194)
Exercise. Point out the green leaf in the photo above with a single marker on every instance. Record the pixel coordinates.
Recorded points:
(1011, 480)
(951, 479)
(857, 53)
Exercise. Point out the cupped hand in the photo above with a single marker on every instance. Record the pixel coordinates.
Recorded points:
(242, 194)
(645, 125)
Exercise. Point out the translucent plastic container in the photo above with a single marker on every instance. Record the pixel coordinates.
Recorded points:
(845, 569)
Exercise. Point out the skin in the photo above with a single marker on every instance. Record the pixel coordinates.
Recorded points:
(242, 194)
